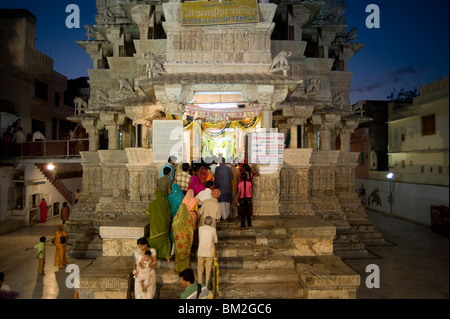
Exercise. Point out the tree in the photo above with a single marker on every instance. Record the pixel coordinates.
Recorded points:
(402, 95)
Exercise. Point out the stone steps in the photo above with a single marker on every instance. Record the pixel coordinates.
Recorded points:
(89, 245)
(284, 290)
(237, 250)
(240, 291)
(253, 263)
(254, 240)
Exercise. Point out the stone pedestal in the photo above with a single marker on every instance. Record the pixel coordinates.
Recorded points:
(120, 236)
(107, 278)
(326, 277)
(110, 276)
(310, 235)
(266, 192)
(294, 182)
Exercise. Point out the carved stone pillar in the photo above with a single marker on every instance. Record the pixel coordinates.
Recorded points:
(345, 132)
(113, 137)
(96, 53)
(312, 131)
(117, 38)
(297, 114)
(112, 122)
(294, 183)
(90, 124)
(300, 16)
(294, 134)
(141, 16)
(325, 39)
(325, 122)
(267, 119)
(269, 98)
(267, 190)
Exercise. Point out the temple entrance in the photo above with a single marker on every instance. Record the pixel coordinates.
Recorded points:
(218, 124)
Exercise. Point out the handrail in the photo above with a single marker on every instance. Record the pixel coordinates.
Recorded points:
(52, 148)
(216, 273)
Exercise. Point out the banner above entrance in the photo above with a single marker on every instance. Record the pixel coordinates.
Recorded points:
(220, 115)
(219, 12)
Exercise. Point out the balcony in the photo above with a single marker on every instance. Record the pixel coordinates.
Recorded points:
(45, 149)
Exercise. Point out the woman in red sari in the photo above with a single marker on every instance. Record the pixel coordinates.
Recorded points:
(43, 212)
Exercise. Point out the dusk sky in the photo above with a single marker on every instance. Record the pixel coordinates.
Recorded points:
(410, 49)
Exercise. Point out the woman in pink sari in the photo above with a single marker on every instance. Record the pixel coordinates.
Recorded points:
(198, 180)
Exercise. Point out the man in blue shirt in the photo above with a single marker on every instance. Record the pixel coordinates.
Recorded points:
(170, 163)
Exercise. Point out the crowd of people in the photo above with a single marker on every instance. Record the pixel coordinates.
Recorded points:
(190, 199)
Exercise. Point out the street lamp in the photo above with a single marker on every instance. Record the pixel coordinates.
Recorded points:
(390, 176)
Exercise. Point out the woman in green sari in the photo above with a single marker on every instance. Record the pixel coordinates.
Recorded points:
(183, 232)
(175, 198)
(159, 212)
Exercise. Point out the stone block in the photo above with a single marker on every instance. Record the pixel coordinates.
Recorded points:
(326, 277)
(310, 235)
(120, 236)
(107, 277)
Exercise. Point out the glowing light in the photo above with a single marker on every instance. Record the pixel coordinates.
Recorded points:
(50, 167)
(390, 175)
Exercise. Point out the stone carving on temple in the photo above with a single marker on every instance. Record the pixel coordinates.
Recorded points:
(125, 88)
(100, 96)
(313, 87)
(350, 36)
(153, 66)
(80, 105)
(339, 99)
(90, 32)
(280, 62)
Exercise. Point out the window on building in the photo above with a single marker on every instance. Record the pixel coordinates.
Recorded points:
(403, 164)
(40, 90)
(440, 170)
(422, 169)
(57, 99)
(428, 125)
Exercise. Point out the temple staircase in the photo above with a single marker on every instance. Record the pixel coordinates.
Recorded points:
(262, 263)
(281, 257)
(253, 263)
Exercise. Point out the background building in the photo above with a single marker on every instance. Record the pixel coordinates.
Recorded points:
(418, 141)
(32, 93)
(35, 97)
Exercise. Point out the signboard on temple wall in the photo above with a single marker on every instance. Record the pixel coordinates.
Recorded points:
(219, 12)
(167, 140)
(266, 148)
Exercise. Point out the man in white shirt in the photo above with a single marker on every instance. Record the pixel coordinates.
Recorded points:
(205, 194)
(207, 237)
(38, 136)
(210, 207)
